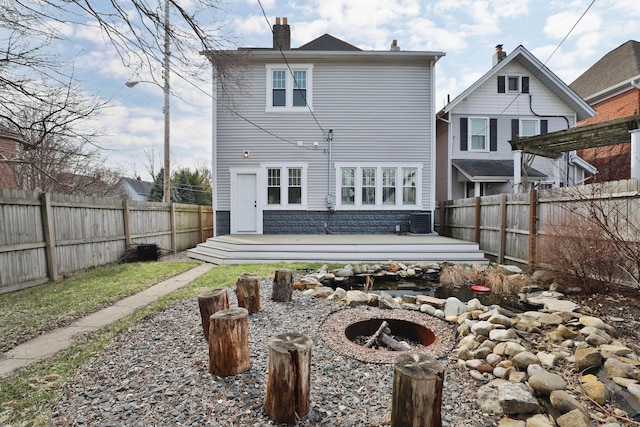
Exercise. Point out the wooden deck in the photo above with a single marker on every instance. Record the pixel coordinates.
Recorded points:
(335, 248)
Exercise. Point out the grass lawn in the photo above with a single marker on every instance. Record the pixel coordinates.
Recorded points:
(27, 398)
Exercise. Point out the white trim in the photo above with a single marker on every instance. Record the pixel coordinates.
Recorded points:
(527, 119)
(284, 185)
(288, 107)
(378, 166)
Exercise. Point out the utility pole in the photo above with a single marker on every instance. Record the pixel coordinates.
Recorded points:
(167, 116)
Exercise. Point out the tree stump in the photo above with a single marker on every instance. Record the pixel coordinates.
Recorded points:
(248, 292)
(417, 391)
(289, 378)
(229, 342)
(211, 302)
(282, 285)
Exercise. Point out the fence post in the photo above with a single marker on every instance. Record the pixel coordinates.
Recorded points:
(172, 214)
(49, 236)
(477, 221)
(503, 228)
(127, 226)
(533, 226)
(442, 212)
(201, 222)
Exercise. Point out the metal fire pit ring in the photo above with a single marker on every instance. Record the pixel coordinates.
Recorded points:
(340, 327)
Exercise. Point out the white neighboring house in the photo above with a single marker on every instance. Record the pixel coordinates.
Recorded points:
(518, 96)
(136, 189)
(323, 138)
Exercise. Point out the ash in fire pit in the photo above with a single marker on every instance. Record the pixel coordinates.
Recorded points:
(389, 334)
(348, 331)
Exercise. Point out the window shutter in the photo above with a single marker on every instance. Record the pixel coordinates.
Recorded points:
(525, 84)
(515, 128)
(501, 84)
(544, 127)
(493, 134)
(463, 133)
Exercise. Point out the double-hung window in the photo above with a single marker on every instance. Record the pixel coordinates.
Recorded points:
(289, 87)
(478, 134)
(286, 186)
(378, 186)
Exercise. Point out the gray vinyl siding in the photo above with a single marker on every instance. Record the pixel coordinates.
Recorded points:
(378, 113)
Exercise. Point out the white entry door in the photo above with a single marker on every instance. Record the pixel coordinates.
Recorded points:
(246, 213)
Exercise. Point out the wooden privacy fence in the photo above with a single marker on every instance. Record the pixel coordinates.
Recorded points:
(45, 236)
(509, 226)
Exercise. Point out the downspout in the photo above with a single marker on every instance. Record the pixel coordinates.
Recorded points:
(214, 144)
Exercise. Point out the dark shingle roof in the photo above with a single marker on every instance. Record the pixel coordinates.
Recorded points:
(491, 168)
(139, 186)
(617, 66)
(327, 42)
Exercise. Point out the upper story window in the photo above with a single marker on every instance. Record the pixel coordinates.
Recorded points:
(286, 186)
(479, 132)
(289, 88)
(513, 84)
(376, 186)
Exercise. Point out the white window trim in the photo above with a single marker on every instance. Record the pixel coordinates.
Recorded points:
(288, 107)
(378, 205)
(537, 131)
(284, 185)
(487, 137)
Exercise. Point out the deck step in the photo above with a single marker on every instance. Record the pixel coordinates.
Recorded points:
(264, 249)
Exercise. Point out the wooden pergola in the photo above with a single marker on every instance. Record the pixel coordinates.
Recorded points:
(552, 145)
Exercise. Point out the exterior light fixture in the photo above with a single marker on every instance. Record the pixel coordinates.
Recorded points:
(245, 154)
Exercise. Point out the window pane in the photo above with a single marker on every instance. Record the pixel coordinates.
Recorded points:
(299, 98)
(478, 134)
(300, 79)
(514, 84)
(529, 128)
(409, 186)
(279, 88)
(273, 186)
(295, 186)
(348, 190)
(368, 186)
(279, 97)
(389, 186)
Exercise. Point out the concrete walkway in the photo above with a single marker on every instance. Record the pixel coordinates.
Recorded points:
(52, 342)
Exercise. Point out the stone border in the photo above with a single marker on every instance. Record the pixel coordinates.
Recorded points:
(333, 328)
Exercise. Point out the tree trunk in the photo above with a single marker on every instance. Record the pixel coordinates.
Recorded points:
(289, 378)
(229, 342)
(282, 285)
(248, 292)
(210, 303)
(417, 391)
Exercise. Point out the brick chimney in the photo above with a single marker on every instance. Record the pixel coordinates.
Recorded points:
(281, 35)
(498, 56)
(394, 46)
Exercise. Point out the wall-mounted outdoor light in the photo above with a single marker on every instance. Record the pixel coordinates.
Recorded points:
(245, 154)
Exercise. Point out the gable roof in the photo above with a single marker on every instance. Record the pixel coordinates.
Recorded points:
(541, 72)
(327, 42)
(616, 68)
(139, 186)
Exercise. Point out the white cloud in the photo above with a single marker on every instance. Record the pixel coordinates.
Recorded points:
(559, 25)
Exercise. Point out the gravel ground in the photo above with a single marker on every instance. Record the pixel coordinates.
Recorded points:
(157, 374)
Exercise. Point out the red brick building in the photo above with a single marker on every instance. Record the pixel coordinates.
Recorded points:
(612, 87)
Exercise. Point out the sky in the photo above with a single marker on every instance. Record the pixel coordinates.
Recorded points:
(466, 30)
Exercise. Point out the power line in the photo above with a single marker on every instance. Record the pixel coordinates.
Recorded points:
(288, 66)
